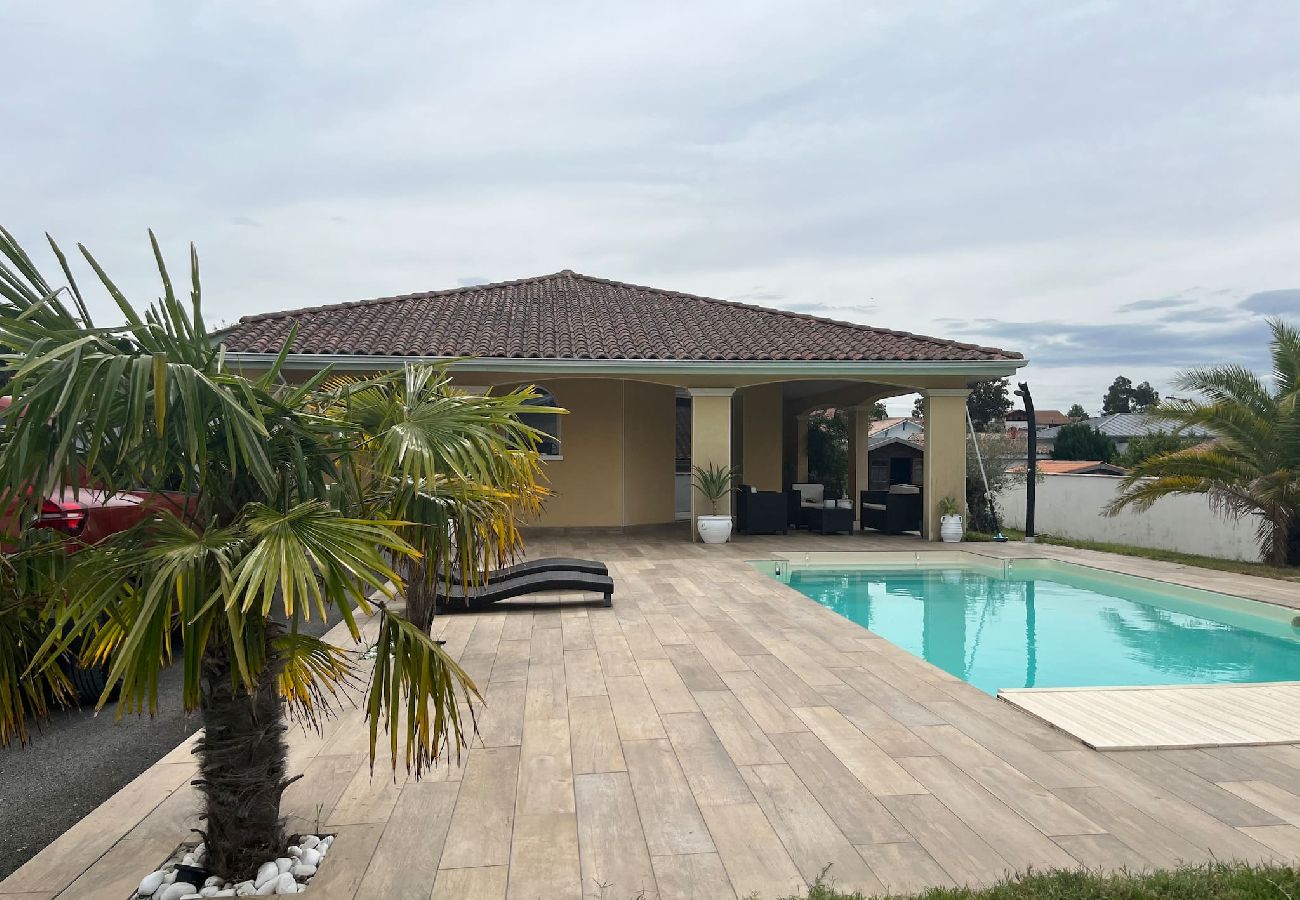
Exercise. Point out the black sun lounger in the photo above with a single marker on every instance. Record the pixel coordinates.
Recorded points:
(549, 564)
(457, 598)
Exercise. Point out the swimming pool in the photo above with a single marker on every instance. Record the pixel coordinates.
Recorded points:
(1039, 623)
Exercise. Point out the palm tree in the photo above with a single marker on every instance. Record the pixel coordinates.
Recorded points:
(431, 456)
(276, 528)
(1253, 465)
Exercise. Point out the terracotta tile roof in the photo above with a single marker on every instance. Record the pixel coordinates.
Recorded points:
(1073, 467)
(572, 316)
(1043, 418)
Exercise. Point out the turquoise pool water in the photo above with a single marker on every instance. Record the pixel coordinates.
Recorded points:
(1057, 625)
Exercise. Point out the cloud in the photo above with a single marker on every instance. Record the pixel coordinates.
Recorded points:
(858, 311)
(1156, 345)
(1160, 303)
(913, 166)
(1285, 302)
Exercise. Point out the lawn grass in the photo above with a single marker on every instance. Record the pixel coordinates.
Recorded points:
(1215, 881)
(1186, 559)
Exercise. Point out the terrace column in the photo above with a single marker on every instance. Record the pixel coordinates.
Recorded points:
(945, 454)
(710, 441)
(801, 453)
(859, 422)
(763, 442)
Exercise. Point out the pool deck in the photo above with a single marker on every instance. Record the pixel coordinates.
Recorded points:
(718, 734)
(1168, 717)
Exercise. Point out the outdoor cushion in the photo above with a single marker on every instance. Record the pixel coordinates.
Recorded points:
(904, 489)
(880, 507)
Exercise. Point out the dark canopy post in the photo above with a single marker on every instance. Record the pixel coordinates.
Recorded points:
(1031, 464)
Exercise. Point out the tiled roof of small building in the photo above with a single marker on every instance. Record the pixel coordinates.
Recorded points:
(571, 316)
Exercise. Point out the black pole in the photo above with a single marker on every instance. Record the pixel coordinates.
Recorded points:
(1031, 464)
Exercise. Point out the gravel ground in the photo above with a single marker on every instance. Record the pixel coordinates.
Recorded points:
(79, 760)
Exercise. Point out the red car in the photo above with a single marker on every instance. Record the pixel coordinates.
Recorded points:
(87, 514)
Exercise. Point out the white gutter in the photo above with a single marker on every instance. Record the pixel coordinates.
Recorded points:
(314, 361)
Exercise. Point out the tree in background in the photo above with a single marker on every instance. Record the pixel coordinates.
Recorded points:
(878, 411)
(999, 452)
(1081, 441)
(988, 404)
(918, 408)
(1251, 467)
(1119, 397)
(1077, 412)
(828, 451)
(1141, 449)
(1123, 397)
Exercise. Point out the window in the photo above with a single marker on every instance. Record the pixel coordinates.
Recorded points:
(918, 471)
(547, 423)
(878, 475)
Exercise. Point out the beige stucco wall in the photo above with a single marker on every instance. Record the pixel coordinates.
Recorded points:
(762, 436)
(617, 447)
(587, 482)
(649, 452)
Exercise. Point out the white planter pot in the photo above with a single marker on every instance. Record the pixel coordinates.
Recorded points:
(950, 530)
(714, 529)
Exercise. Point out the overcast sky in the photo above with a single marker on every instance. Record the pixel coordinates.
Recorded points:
(1110, 188)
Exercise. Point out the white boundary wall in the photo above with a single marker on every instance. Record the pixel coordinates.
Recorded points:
(1071, 506)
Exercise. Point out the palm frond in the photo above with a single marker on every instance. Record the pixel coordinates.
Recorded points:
(311, 674)
(414, 691)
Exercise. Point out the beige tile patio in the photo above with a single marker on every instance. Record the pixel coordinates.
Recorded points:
(716, 734)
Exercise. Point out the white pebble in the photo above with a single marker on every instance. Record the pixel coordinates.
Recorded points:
(245, 889)
(225, 892)
(286, 885)
(169, 876)
(266, 872)
(213, 880)
(308, 841)
(150, 883)
(208, 891)
(188, 859)
(284, 863)
(295, 850)
(177, 890)
(310, 857)
(192, 897)
(301, 871)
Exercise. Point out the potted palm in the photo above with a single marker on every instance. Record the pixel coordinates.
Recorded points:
(950, 521)
(714, 482)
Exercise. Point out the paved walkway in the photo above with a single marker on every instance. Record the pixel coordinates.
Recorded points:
(716, 734)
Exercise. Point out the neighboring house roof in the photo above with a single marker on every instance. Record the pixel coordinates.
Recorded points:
(1125, 426)
(890, 422)
(571, 316)
(1043, 418)
(1073, 467)
(914, 441)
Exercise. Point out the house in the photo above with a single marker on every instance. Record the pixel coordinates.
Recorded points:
(1124, 427)
(896, 460)
(623, 359)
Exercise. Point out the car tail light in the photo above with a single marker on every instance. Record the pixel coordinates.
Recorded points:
(67, 517)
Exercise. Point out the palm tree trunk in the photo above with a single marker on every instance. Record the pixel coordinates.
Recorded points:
(421, 594)
(242, 758)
